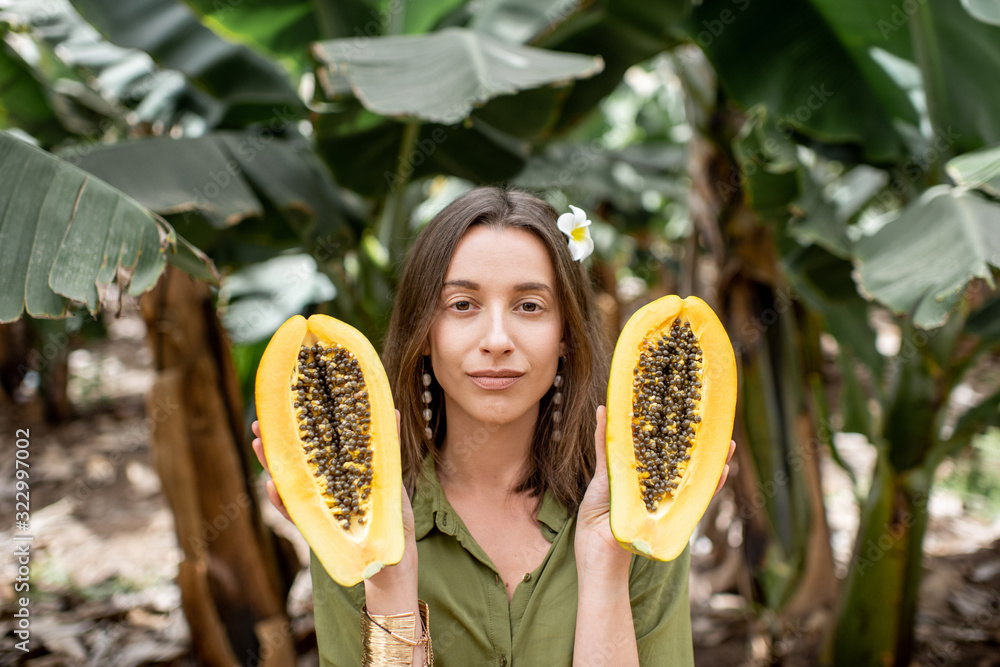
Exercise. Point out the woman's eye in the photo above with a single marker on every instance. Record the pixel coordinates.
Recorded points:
(530, 307)
(462, 305)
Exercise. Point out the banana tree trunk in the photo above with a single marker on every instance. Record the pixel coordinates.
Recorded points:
(43, 347)
(786, 544)
(786, 535)
(235, 573)
(875, 623)
(14, 348)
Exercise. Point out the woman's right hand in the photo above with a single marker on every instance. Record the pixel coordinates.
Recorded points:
(402, 574)
(393, 589)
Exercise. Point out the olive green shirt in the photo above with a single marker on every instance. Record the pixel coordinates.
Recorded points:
(471, 623)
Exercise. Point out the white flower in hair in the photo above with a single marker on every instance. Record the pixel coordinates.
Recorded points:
(576, 226)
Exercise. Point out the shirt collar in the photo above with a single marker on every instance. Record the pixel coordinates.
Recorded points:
(431, 508)
(552, 515)
(427, 499)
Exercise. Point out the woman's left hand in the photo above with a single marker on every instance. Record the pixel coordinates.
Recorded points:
(725, 471)
(597, 550)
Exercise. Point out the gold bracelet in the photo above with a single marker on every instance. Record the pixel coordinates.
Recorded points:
(378, 647)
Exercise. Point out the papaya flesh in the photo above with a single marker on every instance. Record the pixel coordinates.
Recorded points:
(328, 425)
(671, 405)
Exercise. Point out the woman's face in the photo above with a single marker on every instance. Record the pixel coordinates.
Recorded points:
(496, 338)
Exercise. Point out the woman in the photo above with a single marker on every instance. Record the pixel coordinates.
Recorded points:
(508, 539)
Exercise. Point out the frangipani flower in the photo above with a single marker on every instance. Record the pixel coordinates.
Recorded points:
(576, 226)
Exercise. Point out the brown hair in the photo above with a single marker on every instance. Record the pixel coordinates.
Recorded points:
(564, 467)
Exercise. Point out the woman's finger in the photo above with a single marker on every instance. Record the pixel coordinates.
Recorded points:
(722, 480)
(272, 490)
(258, 449)
(272, 495)
(600, 433)
(725, 471)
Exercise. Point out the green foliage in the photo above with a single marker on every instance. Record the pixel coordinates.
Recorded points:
(813, 68)
(277, 29)
(920, 263)
(257, 299)
(975, 475)
(248, 85)
(24, 100)
(47, 259)
(958, 56)
(442, 76)
(979, 169)
(623, 32)
(227, 177)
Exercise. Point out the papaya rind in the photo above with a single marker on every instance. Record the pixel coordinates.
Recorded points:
(663, 534)
(348, 556)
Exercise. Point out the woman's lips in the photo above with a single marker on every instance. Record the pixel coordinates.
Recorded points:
(493, 383)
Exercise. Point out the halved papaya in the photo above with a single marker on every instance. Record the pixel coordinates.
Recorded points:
(671, 405)
(328, 425)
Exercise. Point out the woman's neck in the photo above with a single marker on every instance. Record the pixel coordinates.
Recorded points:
(487, 457)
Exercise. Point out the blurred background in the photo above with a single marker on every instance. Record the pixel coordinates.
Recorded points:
(181, 177)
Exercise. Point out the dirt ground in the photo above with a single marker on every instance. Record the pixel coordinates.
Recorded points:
(104, 555)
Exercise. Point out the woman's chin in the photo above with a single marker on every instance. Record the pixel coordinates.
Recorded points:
(500, 412)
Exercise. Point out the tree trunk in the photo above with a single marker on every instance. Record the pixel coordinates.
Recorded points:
(14, 349)
(42, 347)
(786, 539)
(235, 574)
(875, 623)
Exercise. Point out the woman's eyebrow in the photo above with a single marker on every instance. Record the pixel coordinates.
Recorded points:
(520, 287)
(532, 287)
(467, 284)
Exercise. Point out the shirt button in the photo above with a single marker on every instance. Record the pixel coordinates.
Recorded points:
(527, 576)
(503, 661)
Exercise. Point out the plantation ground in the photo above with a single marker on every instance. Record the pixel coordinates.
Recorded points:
(104, 555)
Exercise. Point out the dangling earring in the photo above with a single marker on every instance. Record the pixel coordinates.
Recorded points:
(425, 378)
(557, 401)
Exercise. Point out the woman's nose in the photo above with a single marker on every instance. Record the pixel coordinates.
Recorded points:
(497, 339)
